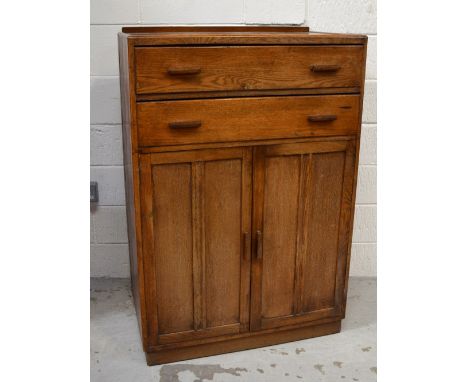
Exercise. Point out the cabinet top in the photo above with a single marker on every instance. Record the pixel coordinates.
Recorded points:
(208, 29)
(234, 35)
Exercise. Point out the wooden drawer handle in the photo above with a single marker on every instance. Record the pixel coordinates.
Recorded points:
(321, 118)
(325, 68)
(183, 71)
(185, 124)
(259, 245)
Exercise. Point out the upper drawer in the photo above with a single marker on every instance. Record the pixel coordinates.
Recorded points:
(199, 69)
(238, 119)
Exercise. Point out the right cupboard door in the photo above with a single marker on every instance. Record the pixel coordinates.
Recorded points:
(302, 209)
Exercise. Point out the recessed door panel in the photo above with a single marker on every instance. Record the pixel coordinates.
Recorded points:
(302, 207)
(223, 246)
(196, 227)
(173, 262)
(321, 243)
(279, 235)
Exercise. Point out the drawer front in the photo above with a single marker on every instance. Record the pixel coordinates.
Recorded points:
(196, 69)
(239, 119)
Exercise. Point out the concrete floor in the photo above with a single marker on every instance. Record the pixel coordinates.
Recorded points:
(116, 353)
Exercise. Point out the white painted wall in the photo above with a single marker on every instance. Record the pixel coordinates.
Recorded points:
(109, 248)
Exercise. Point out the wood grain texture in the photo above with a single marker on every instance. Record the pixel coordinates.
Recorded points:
(280, 209)
(321, 236)
(260, 142)
(304, 199)
(240, 157)
(132, 182)
(240, 342)
(188, 342)
(351, 193)
(223, 201)
(258, 185)
(246, 119)
(199, 278)
(244, 68)
(198, 243)
(245, 38)
(300, 209)
(147, 248)
(348, 199)
(211, 29)
(246, 229)
(174, 263)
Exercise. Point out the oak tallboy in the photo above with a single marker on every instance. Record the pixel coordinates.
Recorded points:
(240, 152)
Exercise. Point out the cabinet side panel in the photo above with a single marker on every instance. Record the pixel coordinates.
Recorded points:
(131, 163)
(222, 191)
(322, 245)
(279, 231)
(355, 156)
(173, 247)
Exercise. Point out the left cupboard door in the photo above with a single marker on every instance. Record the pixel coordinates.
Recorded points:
(196, 217)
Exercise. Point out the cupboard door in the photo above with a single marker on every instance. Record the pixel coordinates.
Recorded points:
(302, 206)
(196, 216)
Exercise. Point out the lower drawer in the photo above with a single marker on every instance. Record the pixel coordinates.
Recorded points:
(240, 119)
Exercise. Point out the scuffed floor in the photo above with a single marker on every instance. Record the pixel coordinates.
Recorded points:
(116, 353)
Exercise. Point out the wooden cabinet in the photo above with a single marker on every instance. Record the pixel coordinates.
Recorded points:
(241, 150)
